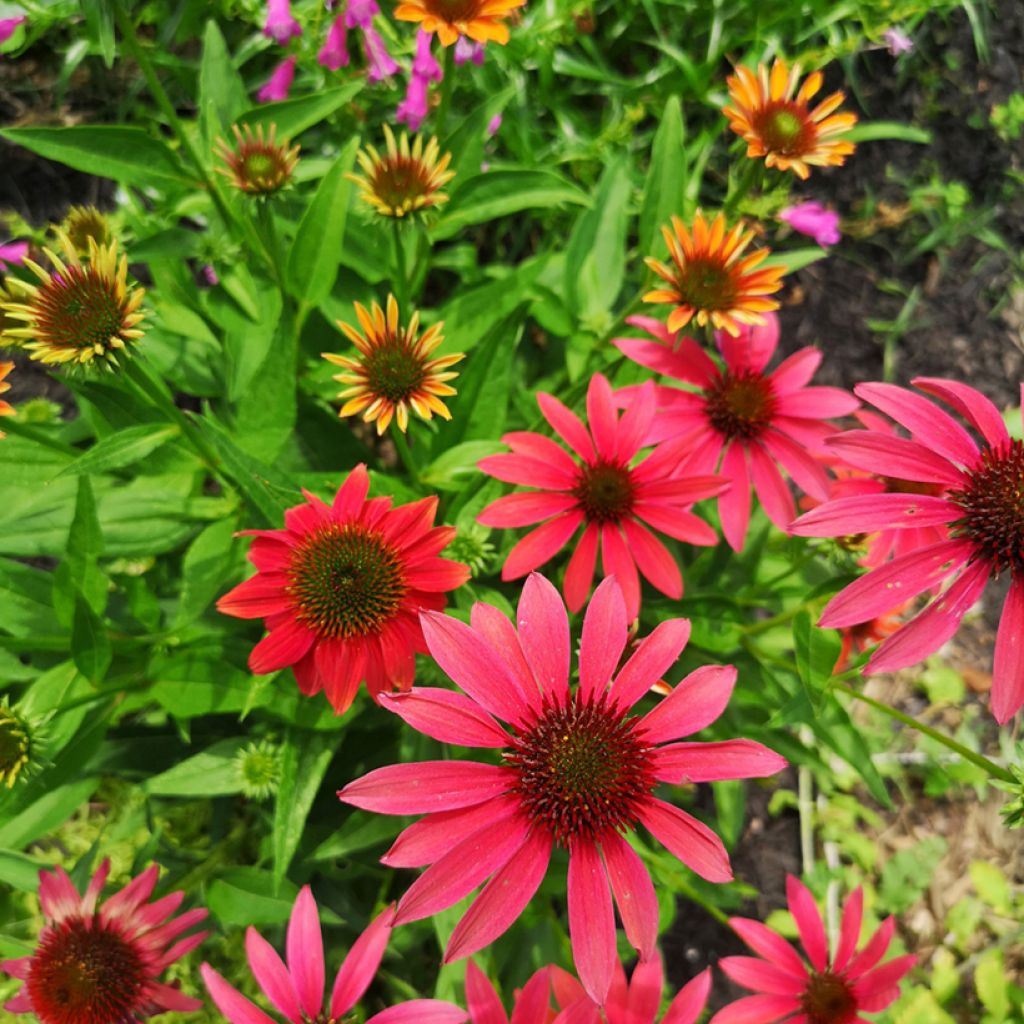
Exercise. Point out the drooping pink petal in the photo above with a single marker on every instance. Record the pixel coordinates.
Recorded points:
(873, 952)
(866, 513)
(899, 457)
(427, 786)
(849, 930)
(684, 763)
(360, 964)
(617, 561)
(305, 949)
(270, 972)
(446, 716)
(807, 472)
(772, 490)
(255, 598)
(653, 657)
(605, 631)
(971, 404)
(689, 1004)
(502, 899)
(760, 976)
(579, 574)
(734, 504)
(544, 634)
(602, 417)
(893, 584)
(757, 1010)
(421, 1011)
(634, 894)
(769, 944)
(687, 838)
(654, 560)
(636, 423)
(567, 425)
(817, 403)
(540, 545)
(533, 1001)
(537, 446)
(808, 921)
(231, 1003)
(688, 362)
(481, 999)
(881, 981)
(282, 646)
(496, 629)
(694, 703)
(1008, 670)
(684, 526)
(591, 920)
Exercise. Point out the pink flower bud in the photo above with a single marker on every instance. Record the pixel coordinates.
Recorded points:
(280, 82)
(493, 125)
(413, 109)
(334, 53)
(814, 220)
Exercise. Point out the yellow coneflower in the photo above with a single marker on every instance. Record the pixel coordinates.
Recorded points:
(393, 371)
(482, 20)
(84, 222)
(711, 279)
(80, 313)
(6, 409)
(780, 126)
(259, 165)
(405, 180)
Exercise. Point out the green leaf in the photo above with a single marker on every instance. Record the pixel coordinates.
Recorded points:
(816, 652)
(52, 809)
(85, 545)
(795, 259)
(502, 192)
(90, 645)
(124, 448)
(452, 468)
(316, 252)
(128, 155)
(213, 772)
(203, 571)
(18, 871)
(466, 141)
(665, 186)
(872, 131)
(595, 259)
(360, 831)
(221, 89)
(304, 760)
(908, 873)
(833, 727)
(293, 117)
(249, 896)
(25, 596)
(99, 25)
(991, 984)
(991, 885)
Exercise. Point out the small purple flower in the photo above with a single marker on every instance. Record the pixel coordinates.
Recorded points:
(361, 13)
(813, 220)
(8, 25)
(897, 41)
(13, 253)
(379, 63)
(424, 63)
(466, 50)
(334, 53)
(210, 275)
(280, 23)
(493, 125)
(280, 82)
(413, 109)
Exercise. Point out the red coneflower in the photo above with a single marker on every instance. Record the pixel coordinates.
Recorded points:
(598, 488)
(578, 771)
(97, 966)
(532, 1003)
(340, 588)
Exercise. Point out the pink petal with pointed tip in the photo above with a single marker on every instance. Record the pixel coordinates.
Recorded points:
(446, 716)
(348, 502)
(525, 508)
(772, 490)
(511, 468)
(689, 1003)
(807, 473)
(282, 646)
(688, 362)
(360, 964)
(495, 628)
(849, 930)
(602, 417)
(866, 513)
(795, 371)
(634, 894)
(653, 657)
(636, 423)
(421, 1011)
(760, 976)
(567, 425)
(232, 1004)
(481, 999)
(899, 457)
(770, 945)
(543, 627)
(882, 981)
(685, 763)
(694, 703)
(605, 631)
(817, 403)
(654, 560)
(305, 947)
(591, 920)
(272, 976)
(541, 545)
(617, 561)
(533, 1002)
(808, 921)
(757, 1010)
(971, 404)
(427, 786)
(687, 838)
(1008, 670)
(684, 526)
(734, 504)
(579, 573)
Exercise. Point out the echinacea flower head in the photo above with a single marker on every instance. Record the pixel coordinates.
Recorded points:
(814, 220)
(710, 279)
(340, 588)
(405, 179)
(84, 222)
(974, 487)
(6, 409)
(393, 371)
(295, 987)
(81, 313)
(635, 1000)
(820, 989)
(96, 965)
(775, 120)
(258, 769)
(259, 164)
(532, 1003)
(595, 486)
(740, 419)
(16, 734)
(280, 24)
(480, 20)
(578, 770)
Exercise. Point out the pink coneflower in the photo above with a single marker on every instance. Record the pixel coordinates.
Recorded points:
(741, 419)
(296, 990)
(532, 1003)
(340, 588)
(827, 990)
(334, 53)
(95, 966)
(814, 220)
(280, 82)
(280, 24)
(578, 771)
(596, 487)
(635, 1001)
(979, 504)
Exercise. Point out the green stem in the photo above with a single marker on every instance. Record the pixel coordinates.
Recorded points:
(447, 88)
(790, 613)
(91, 698)
(271, 243)
(978, 760)
(405, 452)
(401, 279)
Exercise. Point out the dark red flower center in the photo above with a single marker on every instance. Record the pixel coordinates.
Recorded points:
(345, 581)
(707, 283)
(85, 973)
(605, 492)
(79, 310)
(740, 404)
(993, 508)
(582, 770)
(393, 371)
(785, 128)
(828, 999)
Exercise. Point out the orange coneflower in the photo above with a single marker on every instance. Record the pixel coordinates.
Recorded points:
(259, 165)
(781, 127)
(406, 179)
(482, 20)
(6, 409)
(81, 312)
(711, 279)
(393, 371)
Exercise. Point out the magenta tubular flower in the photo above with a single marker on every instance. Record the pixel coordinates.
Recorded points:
(741, 419)
(334, 53)
(532, 1002)
(977, 500)
(361, 13)
(814, 220)
(8, 25)
(596, 487)
(296, 989)
(424, 63)
(280, 23)
(13, 254)
(94, 966)
(578, 771)
(897, 41)
(635, 1001)
(467, 50)
(413, 109)
(820, 990)
(379, 63)
(280, 82)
